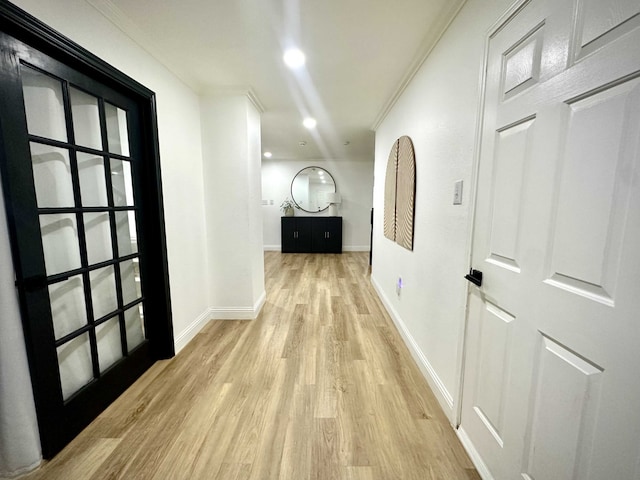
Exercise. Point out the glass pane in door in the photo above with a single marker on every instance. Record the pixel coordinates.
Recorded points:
(93, 187)
(130, 282)
(43, 104)
(126, 233)
(103, 291)
(109, 343)
(74, 362)
(86, 119)
(52, 176)
(60, 242)
(122, 184)
(135, 327)
(117, 131)
(98, 234)
(68, 307)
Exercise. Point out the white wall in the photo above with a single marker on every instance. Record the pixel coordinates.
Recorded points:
(438, 110)
(231, 150)
(19, 436)
(354, 180)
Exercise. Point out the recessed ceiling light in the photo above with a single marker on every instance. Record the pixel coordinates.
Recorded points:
(294, 58)
(268, 154)
(309, 122)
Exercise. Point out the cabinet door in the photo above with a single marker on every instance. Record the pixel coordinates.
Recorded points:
(303, 234)
(319, 235)
(333, 242)
(288, 234)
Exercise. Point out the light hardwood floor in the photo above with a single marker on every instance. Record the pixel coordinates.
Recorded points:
(319, 387)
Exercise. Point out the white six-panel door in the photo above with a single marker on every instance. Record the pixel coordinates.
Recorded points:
(551, 386)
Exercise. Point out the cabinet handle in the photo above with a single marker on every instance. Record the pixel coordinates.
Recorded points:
(328, 235)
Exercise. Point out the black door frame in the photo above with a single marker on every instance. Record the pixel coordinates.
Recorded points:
(29, 30)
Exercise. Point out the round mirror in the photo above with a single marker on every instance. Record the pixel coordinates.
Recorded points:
(310, 187)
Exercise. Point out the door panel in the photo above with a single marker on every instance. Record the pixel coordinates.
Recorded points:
(552, 335)
(600, 23)
(566, 402)
(589, 222)
(492, 361)
(82, 187)
(510, 166)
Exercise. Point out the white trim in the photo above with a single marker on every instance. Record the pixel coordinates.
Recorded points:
(473, 196)
(21, 471)
(242, 91)
(272, 248)
(356, 248)
(239, 313)
(475, 457)
(437, 386)
(192, 330)
(257, 307)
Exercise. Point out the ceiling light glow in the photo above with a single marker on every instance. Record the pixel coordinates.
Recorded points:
(294, 58)
(309, 123)
(268, 154)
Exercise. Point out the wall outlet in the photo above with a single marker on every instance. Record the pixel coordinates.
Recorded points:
(457, 193)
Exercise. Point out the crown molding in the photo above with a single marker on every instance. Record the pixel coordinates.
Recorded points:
(240, 91)
(427, 45)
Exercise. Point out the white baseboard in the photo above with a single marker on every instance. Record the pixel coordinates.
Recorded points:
(21, 471)
(192, 330)
(440, 391)
(222, 313)
(483, 471)
(272, 248)
(239, 313)
(356, 248)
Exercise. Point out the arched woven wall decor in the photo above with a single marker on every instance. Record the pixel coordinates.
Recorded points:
(400, 193)
(390, 194)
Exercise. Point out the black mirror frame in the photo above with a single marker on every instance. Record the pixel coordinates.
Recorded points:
(335, 188)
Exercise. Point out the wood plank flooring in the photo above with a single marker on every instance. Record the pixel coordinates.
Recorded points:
(319, 387)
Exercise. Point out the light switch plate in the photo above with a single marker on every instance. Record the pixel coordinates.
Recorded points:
(457, 193)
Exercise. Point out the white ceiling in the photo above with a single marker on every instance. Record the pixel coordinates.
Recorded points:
(360, 54)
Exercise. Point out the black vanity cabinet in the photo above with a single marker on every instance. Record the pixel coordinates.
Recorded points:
(311, 234)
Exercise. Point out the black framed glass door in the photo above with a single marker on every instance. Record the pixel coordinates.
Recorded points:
(81, 183)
